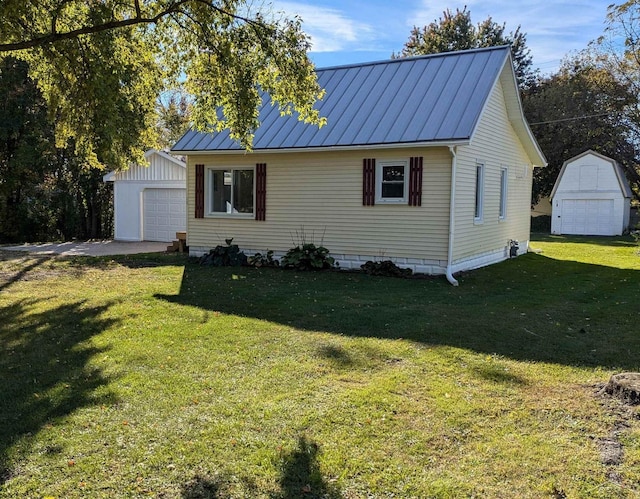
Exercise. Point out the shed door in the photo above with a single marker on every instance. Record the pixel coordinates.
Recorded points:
(164, 213)
(593, 217)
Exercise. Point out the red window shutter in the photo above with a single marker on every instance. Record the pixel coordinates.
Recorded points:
(261, 191)
(199, 191)
(368, 182)
(415, 181)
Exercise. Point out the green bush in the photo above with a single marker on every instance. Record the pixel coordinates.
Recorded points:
(260, 260)
(308, 257)
(224, 256)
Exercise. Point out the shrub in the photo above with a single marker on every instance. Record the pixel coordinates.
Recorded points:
(224, 256)
(260, 260)
(308, 257)
(386, 268)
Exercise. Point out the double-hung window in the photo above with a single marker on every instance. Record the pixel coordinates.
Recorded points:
(392, 184)
(479, 206)
(504, 181)
(231, 191)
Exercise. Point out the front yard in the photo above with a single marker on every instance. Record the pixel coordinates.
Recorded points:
(152, 376)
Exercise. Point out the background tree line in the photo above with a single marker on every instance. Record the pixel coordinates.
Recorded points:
(47, 191)
(85, 90)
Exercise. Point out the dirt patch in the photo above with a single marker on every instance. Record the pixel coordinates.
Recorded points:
(611, 449)
(625, 386)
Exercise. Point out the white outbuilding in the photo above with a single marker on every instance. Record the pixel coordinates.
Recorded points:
(590, 197)
(149, 202)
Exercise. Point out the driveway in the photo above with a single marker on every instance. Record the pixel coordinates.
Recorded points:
(92, 248)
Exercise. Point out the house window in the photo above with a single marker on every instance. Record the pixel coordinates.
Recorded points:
(231, 191)
(392, 184)
(479, 192)
(504, 180)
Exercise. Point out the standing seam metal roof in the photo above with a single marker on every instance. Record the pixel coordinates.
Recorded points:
(434, 98)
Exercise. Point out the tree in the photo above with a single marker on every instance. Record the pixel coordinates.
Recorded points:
(46, 192)
(25, 146)
(102, 65)
(619, 53)
(581, 107)
(174, 118)
(457, 32)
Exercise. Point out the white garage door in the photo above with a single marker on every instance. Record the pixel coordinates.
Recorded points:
(592, 217)
(164, 213)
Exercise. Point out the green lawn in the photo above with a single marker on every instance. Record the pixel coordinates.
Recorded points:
(151, 376)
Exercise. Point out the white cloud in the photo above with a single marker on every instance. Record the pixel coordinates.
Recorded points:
(330, 29)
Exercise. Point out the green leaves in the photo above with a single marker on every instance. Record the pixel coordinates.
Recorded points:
(308, 257)
(231, 67)
(101, 67)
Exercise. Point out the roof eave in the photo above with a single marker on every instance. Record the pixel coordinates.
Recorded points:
(362, 147)
(516, 115)
(165, 155)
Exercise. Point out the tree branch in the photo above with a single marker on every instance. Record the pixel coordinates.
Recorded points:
(53, 37)
(56, 36)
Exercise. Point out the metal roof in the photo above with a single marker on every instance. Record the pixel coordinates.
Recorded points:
(436, 98)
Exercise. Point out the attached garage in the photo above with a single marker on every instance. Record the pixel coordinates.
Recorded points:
(150, 202)
(590, 197)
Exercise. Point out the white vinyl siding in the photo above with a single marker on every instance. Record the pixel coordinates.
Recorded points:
(320, 194)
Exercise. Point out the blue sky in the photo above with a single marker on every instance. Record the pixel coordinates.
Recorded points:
(351, 31)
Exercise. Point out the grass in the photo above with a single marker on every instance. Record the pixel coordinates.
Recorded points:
(151, 376)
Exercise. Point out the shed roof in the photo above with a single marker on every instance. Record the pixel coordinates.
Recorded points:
(433, 99)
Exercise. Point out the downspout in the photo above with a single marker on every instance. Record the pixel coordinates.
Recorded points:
(452, 206)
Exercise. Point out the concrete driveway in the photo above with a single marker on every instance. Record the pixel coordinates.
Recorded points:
(92, 248)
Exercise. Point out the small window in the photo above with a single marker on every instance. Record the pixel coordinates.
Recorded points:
(504, 181)
(479, 192)
(392, 182)
(231, 191)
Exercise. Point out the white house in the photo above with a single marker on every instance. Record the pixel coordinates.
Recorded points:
(590, 197)
(150, 201)
(425, 161)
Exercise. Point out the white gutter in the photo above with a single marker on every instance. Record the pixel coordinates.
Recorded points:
(452, 207)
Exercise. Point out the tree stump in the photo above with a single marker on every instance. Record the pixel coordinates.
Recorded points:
(625, 386)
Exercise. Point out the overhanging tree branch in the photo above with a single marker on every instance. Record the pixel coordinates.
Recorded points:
(86, 30)
(137, 19)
